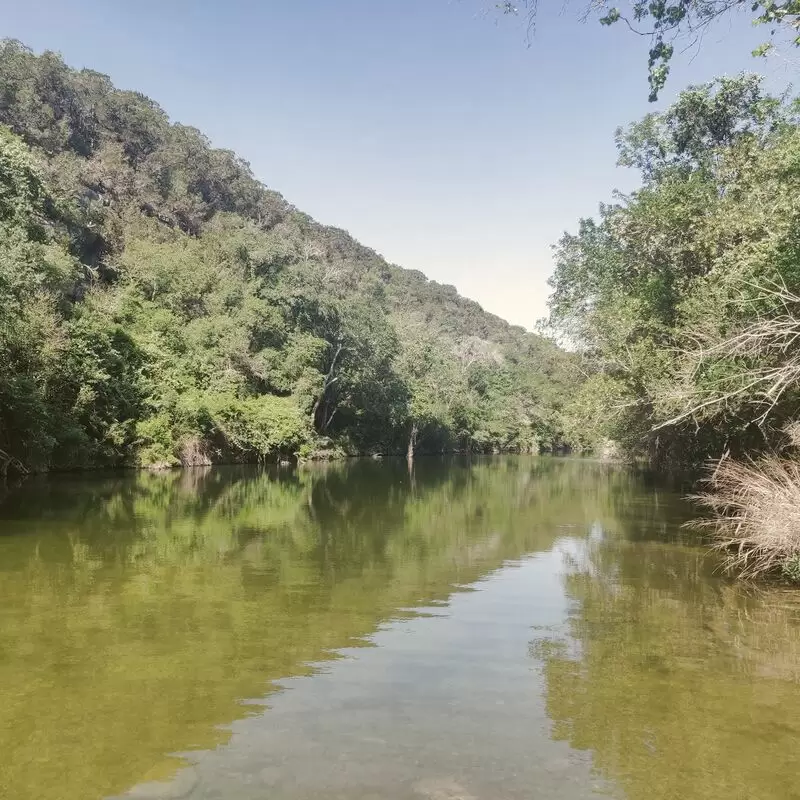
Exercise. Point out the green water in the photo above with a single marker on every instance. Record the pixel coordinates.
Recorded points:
(486, 629)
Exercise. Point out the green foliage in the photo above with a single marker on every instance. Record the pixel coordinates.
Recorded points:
(791, 569)
(597, 413)
(155, 437)
(159, 306)
(259, 425)
(649, 290)
(667, 23)
(21, 189)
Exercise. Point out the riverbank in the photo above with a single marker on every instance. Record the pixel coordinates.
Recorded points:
(326, 454)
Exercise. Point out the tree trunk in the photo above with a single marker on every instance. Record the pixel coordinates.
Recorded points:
(328, 382)
(7, 462)
(412, 442)
(314, 409)
(328, 420)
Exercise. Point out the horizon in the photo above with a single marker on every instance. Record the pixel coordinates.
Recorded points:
(364, 137)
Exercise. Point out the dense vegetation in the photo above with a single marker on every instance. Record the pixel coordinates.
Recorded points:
(158, 305)
(653, 289)
(685, 299)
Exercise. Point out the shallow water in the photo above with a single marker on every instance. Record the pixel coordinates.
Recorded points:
(494, 628)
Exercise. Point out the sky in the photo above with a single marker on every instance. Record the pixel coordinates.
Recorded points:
(434, 131)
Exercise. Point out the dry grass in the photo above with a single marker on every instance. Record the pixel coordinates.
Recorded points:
(194, 453)
(756, 513)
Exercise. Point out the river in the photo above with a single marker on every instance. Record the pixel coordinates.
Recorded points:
(477, 630)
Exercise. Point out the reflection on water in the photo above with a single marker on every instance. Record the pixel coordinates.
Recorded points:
(240, 633)
(679, 684)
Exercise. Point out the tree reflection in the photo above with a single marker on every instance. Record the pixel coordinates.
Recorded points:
(680, 683)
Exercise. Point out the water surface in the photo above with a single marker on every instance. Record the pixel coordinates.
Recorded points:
(494, 628)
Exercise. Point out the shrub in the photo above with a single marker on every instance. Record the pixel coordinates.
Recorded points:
(756, 515)
(791, 569)
(260, 426)
(157, 443)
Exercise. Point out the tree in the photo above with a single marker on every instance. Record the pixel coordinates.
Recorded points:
(680, 265)
(33, 271)
(435, 387)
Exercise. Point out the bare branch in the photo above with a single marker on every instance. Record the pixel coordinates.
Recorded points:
(768, 351)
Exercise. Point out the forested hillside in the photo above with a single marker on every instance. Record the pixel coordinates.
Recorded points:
(159, 305)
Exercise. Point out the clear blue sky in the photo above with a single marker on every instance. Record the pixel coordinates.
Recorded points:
(424, 127)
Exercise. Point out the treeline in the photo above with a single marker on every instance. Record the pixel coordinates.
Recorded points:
(653, 289)
(684, 299)
(158, 306)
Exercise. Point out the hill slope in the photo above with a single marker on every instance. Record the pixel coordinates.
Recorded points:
(158, 305)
